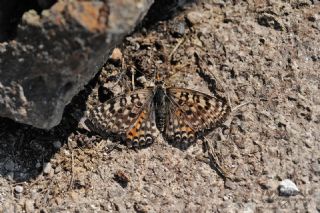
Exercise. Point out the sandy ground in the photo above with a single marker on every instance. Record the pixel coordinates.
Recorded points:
(264, 58)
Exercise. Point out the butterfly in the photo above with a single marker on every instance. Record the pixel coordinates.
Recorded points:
(181, 115)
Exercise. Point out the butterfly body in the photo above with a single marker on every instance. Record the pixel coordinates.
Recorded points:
(160, 100)
(180, 114)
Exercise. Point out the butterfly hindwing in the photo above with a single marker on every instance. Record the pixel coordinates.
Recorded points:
(144, 130)
(177, 130)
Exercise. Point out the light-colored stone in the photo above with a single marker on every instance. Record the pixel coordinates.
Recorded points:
(29, 206)
(18, 189)
(47, 168)
(116, 55)
(194, 17)
(288, 188)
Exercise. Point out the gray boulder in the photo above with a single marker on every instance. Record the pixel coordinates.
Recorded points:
(53, 55)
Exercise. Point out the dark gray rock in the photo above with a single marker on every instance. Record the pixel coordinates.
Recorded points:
(54, 55)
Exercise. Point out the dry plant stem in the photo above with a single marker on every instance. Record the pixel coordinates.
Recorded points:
(240, 105)
(72, 168)
(176, 47)
(132, 79)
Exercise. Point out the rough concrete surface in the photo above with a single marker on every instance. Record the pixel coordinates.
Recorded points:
(55, 53)
(264, 57)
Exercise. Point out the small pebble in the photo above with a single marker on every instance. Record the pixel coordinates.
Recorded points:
(18, 189)
(308, 143)
(178, 30)
(57, 144)
(116, 56)
(57, 170)
(230, 185)
(47, 168)
(194, 17)
(288, 188)
(29, 205)
(249, 208)
(34, 194)
(74, 196)
(38, 165)
(9, 165)
(142, 80)
(31, 18)
(10, 175)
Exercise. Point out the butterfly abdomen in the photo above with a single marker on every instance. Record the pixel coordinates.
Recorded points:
(160, 108)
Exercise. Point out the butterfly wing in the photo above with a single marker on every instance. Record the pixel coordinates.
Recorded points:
(192, 112)
(178, 131)
(144, 130)
(127, 115)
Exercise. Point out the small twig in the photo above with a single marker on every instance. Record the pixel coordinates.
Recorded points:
(132, 78)
(241, 105)
(72, 168)
(176, 47)
(229, 101)
(100, 174)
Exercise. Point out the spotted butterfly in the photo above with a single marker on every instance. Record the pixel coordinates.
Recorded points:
(180, 114)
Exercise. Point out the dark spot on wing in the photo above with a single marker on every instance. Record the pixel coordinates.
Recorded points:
(139, 104)
(180, 102)
(200, 108)
(196, 98)
(189, 112)
(132, 115)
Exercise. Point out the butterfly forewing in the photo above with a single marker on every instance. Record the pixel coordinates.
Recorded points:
(199, 110)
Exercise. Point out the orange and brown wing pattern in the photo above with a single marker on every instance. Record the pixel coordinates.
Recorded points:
(120, 114)
(178, 131)
(144, 130)
(197, 110)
